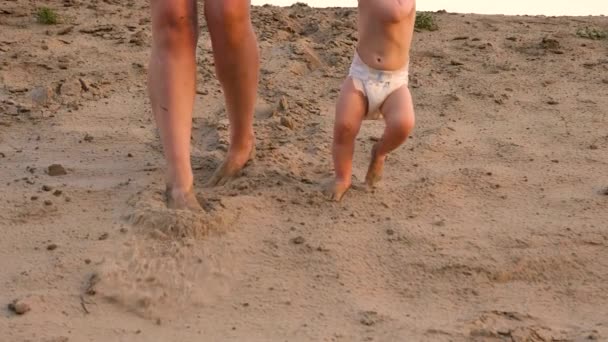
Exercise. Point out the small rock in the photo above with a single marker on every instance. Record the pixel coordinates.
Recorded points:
(139, 38)
(593, 147)
(461, 38)
(287, 122)
(504, 332)
(19, 307)
(57, 193)
(87, 261)
(47, 188)
(94, 279)
(390, 232)
(439, 223)
(310, 56)
(70, 88)
(369, 318)
(88, 137)
(550, 44)
(83, 84)
(456, 63)
(65, 31)
(513, 39)
(48, 202)
(104, 236)
(552, 102)
(33, 198)
(283, 104)
(297, 240)
(129, 155)
(57, 170)
(41, 95)
(51, 247)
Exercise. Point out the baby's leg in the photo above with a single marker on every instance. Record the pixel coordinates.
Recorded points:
(398, 112)
(350, 110)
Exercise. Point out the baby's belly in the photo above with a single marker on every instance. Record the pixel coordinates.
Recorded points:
(382, 57)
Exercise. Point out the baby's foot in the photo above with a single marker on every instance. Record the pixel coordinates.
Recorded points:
(335, 190)
(376, 167)
(182, 200)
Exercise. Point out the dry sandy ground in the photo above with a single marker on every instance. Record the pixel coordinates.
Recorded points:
(491, 224)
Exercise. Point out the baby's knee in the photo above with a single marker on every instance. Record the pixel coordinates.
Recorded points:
(404, 126)
(345, 131)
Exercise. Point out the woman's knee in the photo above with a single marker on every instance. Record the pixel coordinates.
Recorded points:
(230, 16)
(174, 22)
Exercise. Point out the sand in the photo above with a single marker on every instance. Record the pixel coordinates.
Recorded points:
(490, 223)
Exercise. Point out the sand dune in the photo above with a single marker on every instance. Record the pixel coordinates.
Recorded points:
(490, 225)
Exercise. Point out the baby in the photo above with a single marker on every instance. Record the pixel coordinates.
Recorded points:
(376, 87)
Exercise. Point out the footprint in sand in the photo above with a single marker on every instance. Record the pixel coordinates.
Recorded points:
(172, 261)
(151, 215)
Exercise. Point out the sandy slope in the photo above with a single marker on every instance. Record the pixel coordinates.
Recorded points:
(491, 224)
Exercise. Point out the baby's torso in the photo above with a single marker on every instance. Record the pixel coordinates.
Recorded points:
(385, 32)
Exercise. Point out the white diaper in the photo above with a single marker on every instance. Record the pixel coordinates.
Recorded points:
(376, 85)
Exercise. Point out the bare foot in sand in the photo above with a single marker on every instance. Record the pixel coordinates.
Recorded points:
(181, 200)
(376, 166)
(335, 190)
(231, 166)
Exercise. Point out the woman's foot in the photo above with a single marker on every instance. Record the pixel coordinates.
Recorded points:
(235, 161)
(335, 190)
(182, 200)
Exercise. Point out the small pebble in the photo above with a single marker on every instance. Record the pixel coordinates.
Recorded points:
(297, 240)
(56, 170)
(19, 307)
(51, 247)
